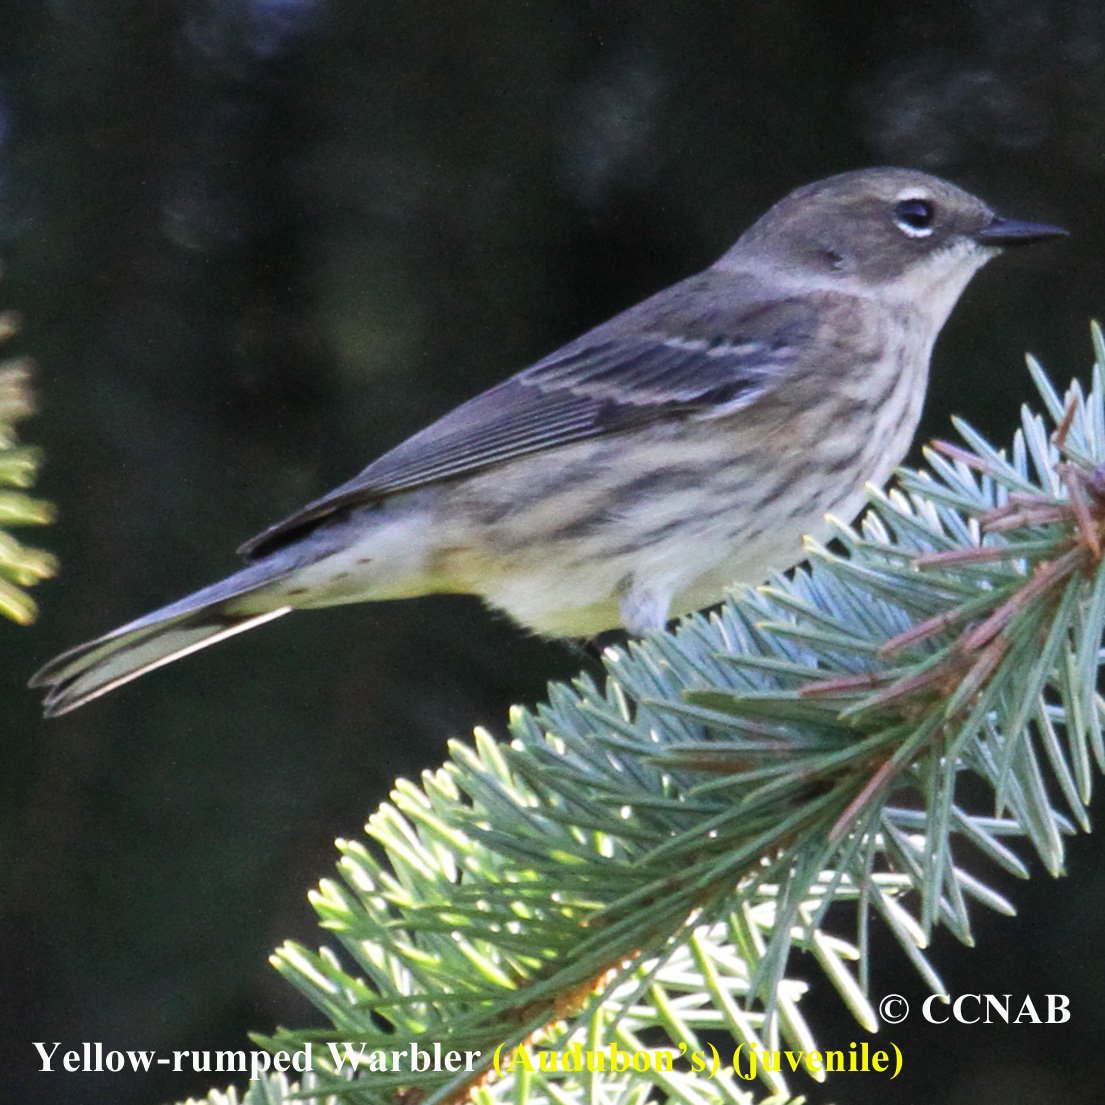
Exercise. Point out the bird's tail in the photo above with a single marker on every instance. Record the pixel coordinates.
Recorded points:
(231, 606)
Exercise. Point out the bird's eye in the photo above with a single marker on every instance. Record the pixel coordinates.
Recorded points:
(915, 217)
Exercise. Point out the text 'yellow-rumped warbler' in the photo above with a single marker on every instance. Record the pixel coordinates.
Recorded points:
(688, 443)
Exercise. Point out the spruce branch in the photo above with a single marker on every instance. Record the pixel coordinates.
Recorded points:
(272, 1089)
(20, 566)
(638, 865)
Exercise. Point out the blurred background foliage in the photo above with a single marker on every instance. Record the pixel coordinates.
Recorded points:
(254, 243)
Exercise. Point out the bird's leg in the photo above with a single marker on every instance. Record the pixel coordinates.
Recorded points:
(643, 607)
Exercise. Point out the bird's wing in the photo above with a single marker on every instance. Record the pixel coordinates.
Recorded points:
(663, 358)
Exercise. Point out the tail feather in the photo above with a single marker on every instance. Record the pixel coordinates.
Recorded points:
(204, 618)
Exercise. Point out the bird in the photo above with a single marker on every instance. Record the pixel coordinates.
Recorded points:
(688, 444)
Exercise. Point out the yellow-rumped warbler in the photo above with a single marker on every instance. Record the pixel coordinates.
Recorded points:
(688, 443)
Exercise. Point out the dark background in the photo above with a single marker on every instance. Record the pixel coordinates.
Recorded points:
(254, 243)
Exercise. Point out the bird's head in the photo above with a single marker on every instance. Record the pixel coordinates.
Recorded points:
(896, 233)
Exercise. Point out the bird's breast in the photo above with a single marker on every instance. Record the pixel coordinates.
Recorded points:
(689, 507)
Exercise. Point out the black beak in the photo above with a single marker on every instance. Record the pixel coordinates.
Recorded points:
(1013, 232)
